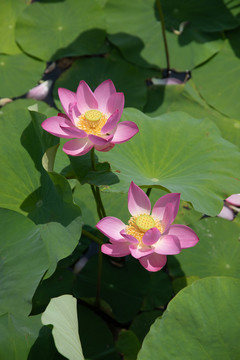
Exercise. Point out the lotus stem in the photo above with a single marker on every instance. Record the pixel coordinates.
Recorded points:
(92, 237)
(101, 214)
(159, 7)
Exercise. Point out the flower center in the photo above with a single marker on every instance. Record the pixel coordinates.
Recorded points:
(138, 225)
(144, 222)
(92, 122)
(93, 115)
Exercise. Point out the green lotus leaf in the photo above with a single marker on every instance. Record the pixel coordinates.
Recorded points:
(97, 69)
(234, 7)
(51, 30)
(159, 291)
(135, 29)
(61, 312)
(121, 283)
(25, 261)
(162, 99)
(216, 253)
(128, 344)
(142, 322)
(218, 80)
(8, 15)
(46, 198)
(208, 16)
(181, 154)
(200, 323)
(14, 82)
(17, 335)
(24, 104)
(96, 337)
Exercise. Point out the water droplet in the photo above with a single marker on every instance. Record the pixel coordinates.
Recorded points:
(154, 180)
(60, 28)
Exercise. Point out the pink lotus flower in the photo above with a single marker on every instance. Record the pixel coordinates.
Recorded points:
(91, 119)
(148, 238)
(231, 207)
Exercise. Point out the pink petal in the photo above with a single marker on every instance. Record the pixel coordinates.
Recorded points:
(168, 245)
(115, 101)
(111, 122)
(85, 98)
(97, 140)
(138, 252)
(104, 148)
(226, 213)
(77, 147)
(72, 130)
(168, 216)
(58, 126)
(67, 98)
(159, 207)
(138, 201)
(186, 236)
(102, 94)
(117, 250)
(153, 262)
(128, 237)
(234, 200)
(41, 91)
(151, 236)
(111, 227)
(74, 113)
(124, 132)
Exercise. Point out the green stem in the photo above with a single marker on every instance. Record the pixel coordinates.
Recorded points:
(92, 237)
(96, 191)
(101, 214)
(97, 202)
(93, 160)
(148, 192)
(100, 202)
(164, 34)
(99, 278)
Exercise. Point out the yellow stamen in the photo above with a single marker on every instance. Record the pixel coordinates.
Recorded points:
(138, 225)
(92, 122)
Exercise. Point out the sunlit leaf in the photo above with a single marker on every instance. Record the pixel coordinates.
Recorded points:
(215, 254)
(51, 30)
(181, 154)
(195, 324)
(162, 99)
(62, 314)
(8, 15)
(218, 80)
